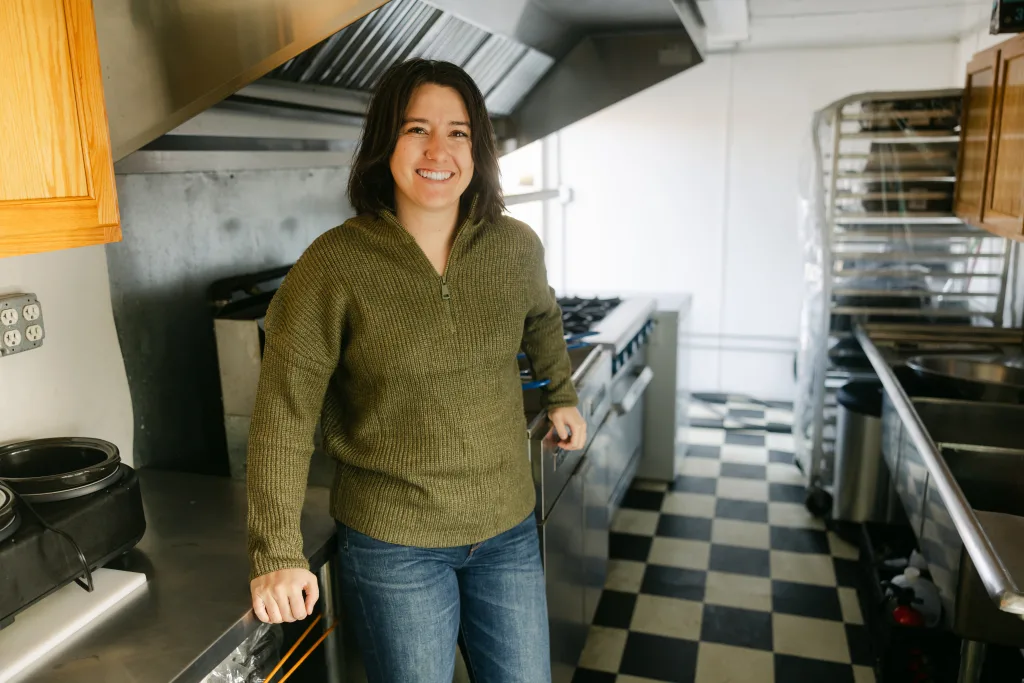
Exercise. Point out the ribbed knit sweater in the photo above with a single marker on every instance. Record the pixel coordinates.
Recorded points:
(414, 379)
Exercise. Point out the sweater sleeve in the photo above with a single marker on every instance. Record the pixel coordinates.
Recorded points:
(303, 344)
(543, 338)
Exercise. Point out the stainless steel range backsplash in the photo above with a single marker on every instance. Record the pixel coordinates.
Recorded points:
(182, 232)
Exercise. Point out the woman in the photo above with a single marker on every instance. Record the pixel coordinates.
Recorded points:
(399, 331)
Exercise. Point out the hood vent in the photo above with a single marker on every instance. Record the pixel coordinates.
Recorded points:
(541, 64)
(357, 56)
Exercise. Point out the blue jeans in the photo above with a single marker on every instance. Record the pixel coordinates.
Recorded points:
(409, 608)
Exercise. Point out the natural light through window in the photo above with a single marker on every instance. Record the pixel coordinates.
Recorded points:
(522, 172)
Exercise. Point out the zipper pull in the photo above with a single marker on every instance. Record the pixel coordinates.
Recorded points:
(445, 293)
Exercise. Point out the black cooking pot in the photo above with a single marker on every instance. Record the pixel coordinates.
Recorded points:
(47, 466)
(8, 511)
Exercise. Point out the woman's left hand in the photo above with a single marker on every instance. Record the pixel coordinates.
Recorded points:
(570, 427)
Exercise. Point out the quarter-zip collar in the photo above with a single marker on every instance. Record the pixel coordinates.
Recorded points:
(393, 230)
(395, 227)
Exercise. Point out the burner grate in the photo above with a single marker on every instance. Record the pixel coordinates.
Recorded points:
(580, 315)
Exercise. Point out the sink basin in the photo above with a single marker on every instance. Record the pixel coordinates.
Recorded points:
(992, 479)
(966, 422)
(979, 378)
(983, 447)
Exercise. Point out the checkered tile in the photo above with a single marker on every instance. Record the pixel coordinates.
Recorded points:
(723, 575)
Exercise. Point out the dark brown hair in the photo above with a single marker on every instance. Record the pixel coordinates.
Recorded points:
(371, 187)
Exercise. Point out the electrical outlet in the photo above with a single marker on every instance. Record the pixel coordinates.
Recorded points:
(21, 324)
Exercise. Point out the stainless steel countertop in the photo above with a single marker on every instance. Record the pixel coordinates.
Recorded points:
(1003, 582)
(194, 609)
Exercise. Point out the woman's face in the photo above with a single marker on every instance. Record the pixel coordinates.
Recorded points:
(433, 159)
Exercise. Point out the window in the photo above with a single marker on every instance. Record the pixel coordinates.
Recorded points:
(522, 172)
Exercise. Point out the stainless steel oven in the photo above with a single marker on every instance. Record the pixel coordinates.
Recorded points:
(574, 543)
(552, 465)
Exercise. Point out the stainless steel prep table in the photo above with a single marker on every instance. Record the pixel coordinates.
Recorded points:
(986, 597)
(194, 609)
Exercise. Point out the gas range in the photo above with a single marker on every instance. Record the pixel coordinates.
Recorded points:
(579, 315)
(622, 325)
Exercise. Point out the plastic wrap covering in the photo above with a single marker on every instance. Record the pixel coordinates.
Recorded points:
(881, 244)
(810, 352)
(251, 661)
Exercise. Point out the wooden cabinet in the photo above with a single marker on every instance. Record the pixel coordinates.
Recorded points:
(975, 136)
(56, 172)
(1003, 212)
(990, 179)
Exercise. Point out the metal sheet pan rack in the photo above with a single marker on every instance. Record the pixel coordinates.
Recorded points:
(881, 243)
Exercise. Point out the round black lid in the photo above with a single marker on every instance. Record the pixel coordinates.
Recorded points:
(862, 396)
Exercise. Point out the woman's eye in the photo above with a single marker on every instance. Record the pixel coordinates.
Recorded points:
(417, 130)
(460, 134)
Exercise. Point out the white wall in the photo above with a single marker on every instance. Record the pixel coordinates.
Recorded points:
(692, 186)
(975, 39)
(75, 383)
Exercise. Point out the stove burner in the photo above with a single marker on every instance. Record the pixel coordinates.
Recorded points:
(580, 315)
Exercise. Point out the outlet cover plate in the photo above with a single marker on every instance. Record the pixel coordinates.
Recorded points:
(18, 302)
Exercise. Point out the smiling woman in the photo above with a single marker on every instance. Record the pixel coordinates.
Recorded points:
(423, 109)
(398, 332)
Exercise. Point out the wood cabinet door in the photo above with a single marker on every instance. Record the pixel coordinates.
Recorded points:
(975, 136)
(56, 171)
(1004, 197)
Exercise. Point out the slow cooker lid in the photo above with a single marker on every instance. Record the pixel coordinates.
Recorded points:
(55, 458)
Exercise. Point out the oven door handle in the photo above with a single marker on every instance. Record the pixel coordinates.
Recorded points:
(635, 392)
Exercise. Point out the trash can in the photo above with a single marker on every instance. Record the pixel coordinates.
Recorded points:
(861, 487)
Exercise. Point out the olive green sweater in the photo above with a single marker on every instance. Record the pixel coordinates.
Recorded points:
(414, 379)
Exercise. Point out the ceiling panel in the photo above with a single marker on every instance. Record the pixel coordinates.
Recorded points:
(778, 8)
(825, 23)
(612, 12)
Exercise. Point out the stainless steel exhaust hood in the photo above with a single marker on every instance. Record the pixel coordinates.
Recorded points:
(165, 61)
(542, 65)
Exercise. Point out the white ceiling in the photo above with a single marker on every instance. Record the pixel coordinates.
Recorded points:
(762, 24)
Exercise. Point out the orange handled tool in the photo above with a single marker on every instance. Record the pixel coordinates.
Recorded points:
(294, 647)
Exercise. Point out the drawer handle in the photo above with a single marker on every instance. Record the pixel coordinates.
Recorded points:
(635, 392)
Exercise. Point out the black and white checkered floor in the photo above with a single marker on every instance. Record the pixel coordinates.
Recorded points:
(723, 576)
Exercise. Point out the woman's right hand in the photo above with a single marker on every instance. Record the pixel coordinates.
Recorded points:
(278, 596)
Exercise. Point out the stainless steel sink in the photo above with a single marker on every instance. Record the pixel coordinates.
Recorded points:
(966, 422)
(983, 447)
(958, 468)
(974, 377)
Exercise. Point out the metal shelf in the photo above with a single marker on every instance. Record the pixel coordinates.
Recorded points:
(896, 158)
(901, 137)
(930, 217)
(898, 114)
(909, 293)
(851, 272)
(900, 176)
(896, 194)
(909, 233)
(911, 256)
(933, 250)
(884, 312)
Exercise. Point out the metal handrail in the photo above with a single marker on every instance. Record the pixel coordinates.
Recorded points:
(1001, 587)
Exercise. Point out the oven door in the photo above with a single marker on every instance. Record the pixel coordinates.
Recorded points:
(561, 538)
(623, 431)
